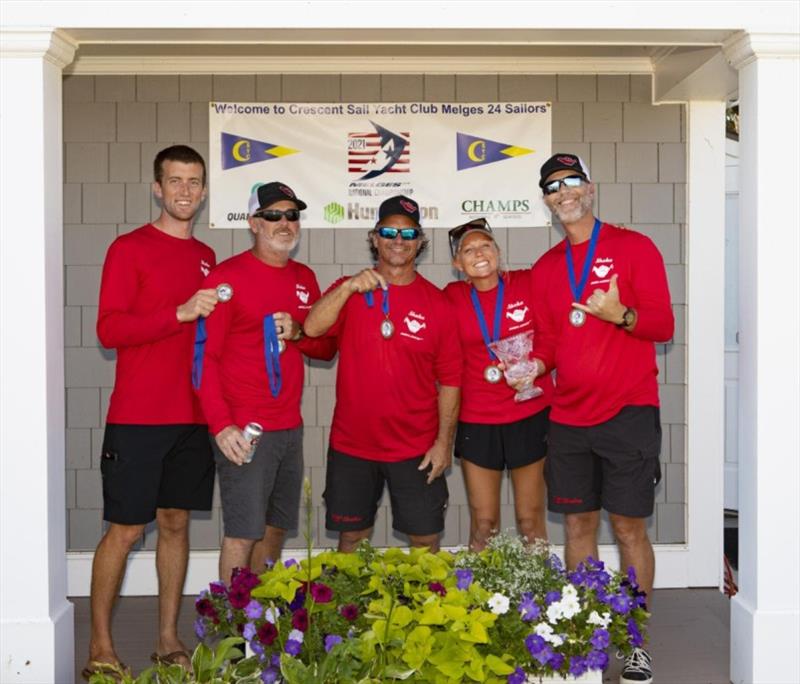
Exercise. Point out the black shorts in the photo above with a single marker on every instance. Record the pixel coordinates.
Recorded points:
(507, 445)
(353, 488)
(145, 467)
(613, 465)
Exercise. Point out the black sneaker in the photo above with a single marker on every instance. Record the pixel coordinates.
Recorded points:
(638, 668)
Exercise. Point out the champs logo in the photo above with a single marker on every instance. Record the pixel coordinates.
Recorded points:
(373, 154)
(239, 151)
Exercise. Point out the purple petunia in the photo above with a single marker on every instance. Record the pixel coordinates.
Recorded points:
(555, 563)
(636, 636)
(270, 675)
(556, 661)
(620, 603)
(298, 601)
(518, 676)
(464, 578)
(253, 610)
(200, 628)
(551, 597)
(330, 641)
(544, 655)
(534, 643)
(632, 576)
(597, 660)
(577, 665)
(600, 639)
(289, 563)
(249, 632)
(293, 647)
(528, 609)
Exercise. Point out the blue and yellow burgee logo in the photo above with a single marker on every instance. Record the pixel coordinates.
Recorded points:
(472, 151)
(239, 151)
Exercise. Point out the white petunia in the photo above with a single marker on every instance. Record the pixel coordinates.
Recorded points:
(570, 607)
(296, 635)
(272, 615)
(543, 630)
(569, 591)
(596, 619)
(499, 604)
(555, 612)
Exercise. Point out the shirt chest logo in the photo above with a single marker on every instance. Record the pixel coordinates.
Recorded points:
(302, 293)
(517, 311)
(205, 267)
(415, 323)
(602, 267)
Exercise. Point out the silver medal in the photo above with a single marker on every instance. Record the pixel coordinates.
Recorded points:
(492, 374)
(224, 292)
(577, 317)
(387, 329)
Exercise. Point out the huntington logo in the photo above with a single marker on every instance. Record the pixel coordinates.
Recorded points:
(333, 212)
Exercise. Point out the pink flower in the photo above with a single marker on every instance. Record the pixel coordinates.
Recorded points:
(239, 596)
(349, 612)
(267, 633)
(321, 593)
(300, 619)
(244, 577)
(205, 608)
(437, 588)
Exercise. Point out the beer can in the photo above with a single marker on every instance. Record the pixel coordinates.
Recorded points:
(252, 433)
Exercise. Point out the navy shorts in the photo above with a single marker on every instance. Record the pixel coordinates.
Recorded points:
(146, 467)
(613, 465)
(354, 486)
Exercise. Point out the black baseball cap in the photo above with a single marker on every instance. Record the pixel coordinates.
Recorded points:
(267, 194)
(563, 162)
(399, 205)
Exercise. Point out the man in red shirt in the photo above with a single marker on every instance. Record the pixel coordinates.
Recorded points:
(156, 460)
(397, 387)
(604, 302)
(252, 372)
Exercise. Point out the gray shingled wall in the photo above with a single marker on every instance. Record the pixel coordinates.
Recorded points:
(114, 125)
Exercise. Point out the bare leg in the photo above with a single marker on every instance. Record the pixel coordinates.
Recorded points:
(349, 541)
(108, 570)
(267, 549)
(483, 494)
(635, 550)
(529, 495)
(235, 553)
(581, 532)
(172, 558)
(429, 540)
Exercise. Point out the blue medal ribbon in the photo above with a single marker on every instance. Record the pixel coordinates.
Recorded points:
(577, 288)
(368, 296)
(498, 310)
(200, 337)
(272, 355)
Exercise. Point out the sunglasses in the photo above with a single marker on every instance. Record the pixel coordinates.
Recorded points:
(390, 233)
(554, 186)
(455, 234)
(273, 215)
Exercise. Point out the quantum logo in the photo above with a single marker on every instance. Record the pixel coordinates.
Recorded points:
(333, 212)
(239, 151)
(472, 151)
(377, 153)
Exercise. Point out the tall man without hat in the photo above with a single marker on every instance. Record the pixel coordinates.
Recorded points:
(397, 387)
(604, 304)
(156, 462)
(250, 370)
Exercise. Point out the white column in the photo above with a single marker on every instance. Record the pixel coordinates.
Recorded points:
(765, 615)
(36, 620)
(705, 336)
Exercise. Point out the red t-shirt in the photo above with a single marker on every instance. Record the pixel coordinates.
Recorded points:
(147, 274)
(600, 368)
(386, 390)
(234, 388)
(482, 401)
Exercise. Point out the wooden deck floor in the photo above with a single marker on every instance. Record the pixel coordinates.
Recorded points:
(689, 634)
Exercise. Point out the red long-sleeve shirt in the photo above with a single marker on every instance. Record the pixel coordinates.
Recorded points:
(600, 367)
(481, 401)
(147, 274)
(386, 390)
(234, 389)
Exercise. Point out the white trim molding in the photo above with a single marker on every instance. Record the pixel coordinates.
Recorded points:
(52, 45)
(742, 48)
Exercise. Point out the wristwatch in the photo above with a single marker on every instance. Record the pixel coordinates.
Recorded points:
(628, 317)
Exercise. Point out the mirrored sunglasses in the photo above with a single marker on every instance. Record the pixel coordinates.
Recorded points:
(390, 233)
(554, 186)
(273, 215)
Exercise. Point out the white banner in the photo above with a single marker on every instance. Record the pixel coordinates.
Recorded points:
(457, 160)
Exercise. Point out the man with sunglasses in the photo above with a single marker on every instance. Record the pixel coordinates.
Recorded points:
(397, 387)
(604, 303)
(250, 370)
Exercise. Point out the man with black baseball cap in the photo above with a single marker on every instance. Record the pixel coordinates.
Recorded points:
(604, 304)
(397, 387)
(250, 370)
